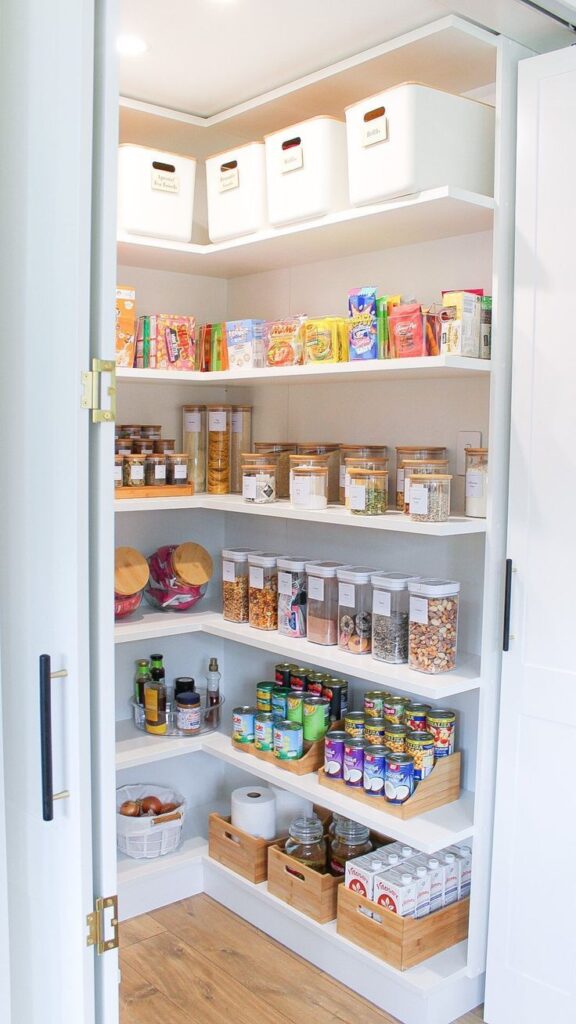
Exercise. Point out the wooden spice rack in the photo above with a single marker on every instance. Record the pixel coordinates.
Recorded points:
(311, 761)
(165, 491)
(441, 787)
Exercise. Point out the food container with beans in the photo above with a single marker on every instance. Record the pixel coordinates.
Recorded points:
(194, 444)
(420, 747)
(395, 737)
(118, 464)
(331, 452)
(219, 428)
(354, 609)
(176, 468)
(155, 470)
(133, 470)
(279, 452)
(430, 498)
(322, 606)
(442, 724)
(163, 445)
(420, 467)
(372, 452)
(433, 613)
(412, 452)
(240, 441)
(130, 577)
(476, 482)
(258, 485)
(354, 724)
(235, 584)
(368, 491)
(263, 591)
(357, 462)
(310, 487)
(390, 616)
(374, 701)
(292, 596)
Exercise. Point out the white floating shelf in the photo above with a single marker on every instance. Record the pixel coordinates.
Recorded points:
(147, 624)
(135, 747)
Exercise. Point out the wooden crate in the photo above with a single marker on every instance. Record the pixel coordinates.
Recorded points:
(163, 491)
(237, 850)
(302, 888)
(400, 941)
(441, 787)
(311, 761)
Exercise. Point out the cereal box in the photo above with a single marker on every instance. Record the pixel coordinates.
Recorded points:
(166, 342)
(125, 326)
(245, 344)
(461, 336)
(362, 324)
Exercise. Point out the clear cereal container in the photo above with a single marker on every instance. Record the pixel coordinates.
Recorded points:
(322, 608)
(155, 470)
(476, 482)
(433, 625)
(177, 468)
(430, 498)
(359, 462)
(258, 480)
(279, 452)
(118, 463)
(219, 426)
(354, 609)
(235, 584)
(194, 444)
(133, 470)
(412, 452)
(368, 492)
(390, 601)
(263, 590)
(310, 487)
(414, 467)
(292, 596)
(358, 451)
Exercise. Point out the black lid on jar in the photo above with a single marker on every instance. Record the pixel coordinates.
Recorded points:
(188, 698)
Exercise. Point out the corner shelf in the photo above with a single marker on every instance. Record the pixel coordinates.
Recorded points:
(135, 747)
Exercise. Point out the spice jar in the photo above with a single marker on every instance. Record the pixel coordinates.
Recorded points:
(262, 590)
(133, 470)
(118, 464)
(309, 487)
(194, 444)
(155, 471)
(235, 584)
(368, 492)
(240, 441)
(354, 609)
(331, 452)
(258, 481)
(358, 451)
(430, 498)
(351, 840)
(322, 606)
(219, 421)
(433, 612)
(176, 468)
(281, 453)
(153, 430)
(292, 596)
(476, 482)
(129, 430)
(306, 843)
(123, 446)
(420, 467)
(390, 616)
(412, 452)
(359, 462)
(142, 446)
(163, 445)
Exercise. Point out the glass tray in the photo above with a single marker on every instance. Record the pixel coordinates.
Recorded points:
(209, 718)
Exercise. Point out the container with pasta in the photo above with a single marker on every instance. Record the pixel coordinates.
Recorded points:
(194, 444)
(219, 425)
(263, 590)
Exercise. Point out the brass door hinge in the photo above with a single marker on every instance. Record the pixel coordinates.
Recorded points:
(96, 922)
(91, 385)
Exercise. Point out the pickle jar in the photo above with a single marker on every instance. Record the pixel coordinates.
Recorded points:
(354, 609)
(155, 470)
(240, 441)
(430, 498)
(359, 462)
(263, 590)
(420, 467)
(309, 487)
(368, 492)
(219, 425)
(177, 468)
(322, 604)
(133, 470)
(358, 451)
(412, 452)
(194, 444)
(433, 625)
(118, 464)
(390, 601)
(351, 840)
(235, 584)
(306, 843)
(476, 482)
(258, 480)
(279, 452)
(162, 445)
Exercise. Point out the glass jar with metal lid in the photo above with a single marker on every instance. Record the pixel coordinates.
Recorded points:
(420, 467)
(476, 482)
(358, 451)
(430, 498)
(354, 609)
(390, 601)
(306, 843)
(368, 491)
(194, 444)
(412, 452)
(322, 605)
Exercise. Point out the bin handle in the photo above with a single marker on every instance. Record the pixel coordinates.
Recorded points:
(158, 166)
(371, 115)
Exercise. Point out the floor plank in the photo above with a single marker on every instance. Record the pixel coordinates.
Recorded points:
(138, 928)
(142, 1003)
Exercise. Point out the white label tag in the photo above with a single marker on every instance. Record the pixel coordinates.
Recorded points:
(474, 484)
(249, 488)
(346, 595)
(228, 179)
(291, 159)
(117, 472)
(342, 476)
(301, 491)
(406, 490)
(127, 450)
(159, 472)
(228, 572)
(375, 131)
(381, 602)
(217, 421)
(191, 422)
(237, 422)
(257, 577)
(419, 610)
(347, 486)
(400, 480)
(285, 583)
(358, 497)
(315, 588)
(136, 472)
(418, 500)
(164, 181)
(180, 472)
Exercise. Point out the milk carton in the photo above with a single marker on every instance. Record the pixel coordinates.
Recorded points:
(463, 856)
(451, 876)
(395, 890)
(361, 872)
(403, 851)
(436, 877)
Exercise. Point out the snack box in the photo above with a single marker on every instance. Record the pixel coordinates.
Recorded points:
(166, 342)
(362, 324)
(283, 341)
(434, 319)
(325, 340)
(245, 344)
(461, 336)
(125, 326)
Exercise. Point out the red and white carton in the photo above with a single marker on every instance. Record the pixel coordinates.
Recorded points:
(436, 876)
(422, 889)
(395, 890)
(361, 872)
(463, 856)
(451, 876)
(403, 851)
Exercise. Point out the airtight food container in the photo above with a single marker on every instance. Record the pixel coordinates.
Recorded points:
(236, 188)
(306, 170)
(354, 609)
(155, 193)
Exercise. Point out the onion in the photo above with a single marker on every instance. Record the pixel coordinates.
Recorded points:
(151, 804)
(166, 808)
(131, 808)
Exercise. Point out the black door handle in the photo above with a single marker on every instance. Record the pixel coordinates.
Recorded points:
(507, 602)
(46, 738)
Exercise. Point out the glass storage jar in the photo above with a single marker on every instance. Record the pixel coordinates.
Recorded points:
(280, 452)
(258, 481)
(153, 430)
(123, 446)
(219, 423)
(297, 460)
(155, 470)
(163, 445)
(142, 445)
(309, 487)
(433, 628)
(292, 596)
(263, 590)
(368, 492)
(415, 467)
(390, 616)
(240, 441)
(306, 843)
(129, 430)
(430, 498)
(332, 454)
(412, 452)
(476, 482)
(235, 584)
(177, 468)
(133, 470)
(359, 462)
(194, 444)
(322, 604)
(358, 451)
(354, 609)
(351, 840)
(118, 463)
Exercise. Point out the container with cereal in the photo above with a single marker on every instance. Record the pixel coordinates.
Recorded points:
(263, 590)
(433, 613)
(235, 584)
(322, 606)
(419, 452)
(354, 609)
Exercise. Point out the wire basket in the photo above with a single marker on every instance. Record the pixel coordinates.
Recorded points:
(150, 836)
(209, 717)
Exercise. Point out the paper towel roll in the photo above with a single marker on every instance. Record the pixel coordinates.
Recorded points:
(288, 807)
(254, 811)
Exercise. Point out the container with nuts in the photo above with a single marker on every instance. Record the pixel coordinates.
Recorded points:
(219, 426)
(433, 625)
(412, 452)
(263, 590)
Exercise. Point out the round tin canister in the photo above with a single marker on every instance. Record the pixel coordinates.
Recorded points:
(295, 703)
(316, 717)
(282, 673)
(374, 701)
(334, 754)
(280, 702)
(442, 724)
(398, 778)
(288, 741)
(354, 762)
(375, 731)
(314, 683)
(394, 708)
(298, 677)
(374, 769)
(336, 691)
(395, 737)
(415, 716)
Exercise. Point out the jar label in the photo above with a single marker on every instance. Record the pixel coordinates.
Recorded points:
(358, 497)
(188, 719)
(406, 490)
(381, 602)
(399, 479)
(180, 472)
(301, 491)
(346, 595)
(475, 484)
(257, 577)
(192, 422)
(228, 573)
(315, 588)
(249, 488)
(285, 583)
(217, 421)
(159, 472)
(136, 472)
(237, 418)
(418, 500)
(419, 610)
(117, 472)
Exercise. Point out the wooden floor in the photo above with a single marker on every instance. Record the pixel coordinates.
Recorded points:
(195, 962)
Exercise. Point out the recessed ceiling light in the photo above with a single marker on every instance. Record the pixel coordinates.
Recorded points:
(130, 46)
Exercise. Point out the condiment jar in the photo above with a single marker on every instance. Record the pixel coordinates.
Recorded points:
(322, 603)
(433, 628)
(351, 840)
(292, 596)
(390, 601)
(430, 498)
(118, 464)
(219, 425)
(133, 470)
(235, 584)
(412, 452)
(359, 462)
(262, 590)
(358, 451)
(194, 444)
(476, 482)
(163, 445)
(368, 492)
(258, 481)
(155, 471)
(176, 468)
(309, 487)
(188, 713)
(420, 467)
(306, 843)
(354, 609)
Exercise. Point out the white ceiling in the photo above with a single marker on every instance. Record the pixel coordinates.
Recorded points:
(207, 55)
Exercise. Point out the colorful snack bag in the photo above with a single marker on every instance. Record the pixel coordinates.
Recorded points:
(125, 326)
(245, 344)
(218, 348)
(362, 324)
(204, 348)
(406, 335)
(434, 320)
(324, 340)
(283, 340)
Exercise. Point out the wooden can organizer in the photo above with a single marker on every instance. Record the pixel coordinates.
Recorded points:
(163, 491)
(311, 761)
(402, 942)
(441, 787)
(237, 850)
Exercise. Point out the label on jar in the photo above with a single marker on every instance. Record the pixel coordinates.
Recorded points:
(419, 610)
(418, 500)
(301, 491)
(406, 490)
(136, 472)
(249, 488)
(474, 484)
(342, 476)
(346, 595)
(228, 573)
(237, 418)
(180, 472)
(315, 588)
(381, 602)
(257, 577)
(188, 719)
(358, 497)
(192, 422)
(217, 421)
(160, 472)
(400, 480)
(285, 583)
(117, 472)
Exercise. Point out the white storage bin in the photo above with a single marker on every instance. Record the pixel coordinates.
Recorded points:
(236, 186)
(155, 193)
(412, 138)
(149, 836)
(306, 170)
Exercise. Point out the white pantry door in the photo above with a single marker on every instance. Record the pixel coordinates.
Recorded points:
(531, 974)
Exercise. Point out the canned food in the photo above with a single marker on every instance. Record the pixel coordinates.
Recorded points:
(316, 718)
(374, 769)
(353, 771)
(334, 754)
(280, 702)
(288, 741)
(354, 724)
(415, 716)
(442, 724)
(394, 708)
(314, 683)
(264, 732)
(298, 677)
(243, 724)
(264, 696)
(395, 737)
(374, 703)
(336, 691)
(398, 778)
(375, 731)
(282, 673)
(420, 747)
(295, 704)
